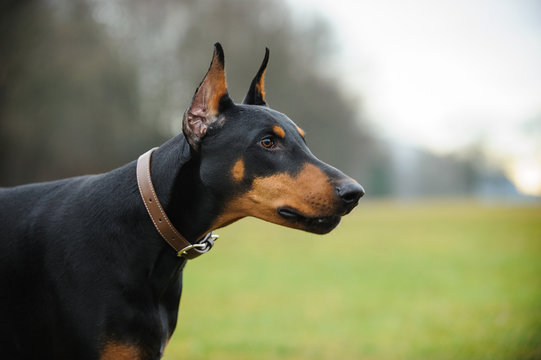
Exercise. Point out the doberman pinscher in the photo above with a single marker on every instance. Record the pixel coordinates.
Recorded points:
(85, 272)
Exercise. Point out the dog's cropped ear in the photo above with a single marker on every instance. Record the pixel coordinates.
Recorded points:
(210, 99)
(256, 93)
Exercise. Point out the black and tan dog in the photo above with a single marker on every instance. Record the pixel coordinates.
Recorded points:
(85, 272)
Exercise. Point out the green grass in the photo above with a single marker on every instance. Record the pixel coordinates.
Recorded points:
(454, 280)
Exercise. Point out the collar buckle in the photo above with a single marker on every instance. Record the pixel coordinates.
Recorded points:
(202, 246)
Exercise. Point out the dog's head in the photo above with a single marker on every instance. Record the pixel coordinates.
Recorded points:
(255, 162)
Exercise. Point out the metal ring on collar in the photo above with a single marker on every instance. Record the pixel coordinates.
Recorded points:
(202, 247)
(189, 247)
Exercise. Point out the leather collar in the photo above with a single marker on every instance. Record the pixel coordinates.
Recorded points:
(159, 218)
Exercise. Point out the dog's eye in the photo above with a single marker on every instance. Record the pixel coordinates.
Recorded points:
(267, 143)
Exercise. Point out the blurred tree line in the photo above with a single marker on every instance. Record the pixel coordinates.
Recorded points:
(69, 104)
(88, 85)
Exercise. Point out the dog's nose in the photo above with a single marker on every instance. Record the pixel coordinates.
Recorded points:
(350, 192)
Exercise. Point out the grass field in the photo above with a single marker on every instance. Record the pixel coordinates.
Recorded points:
(455, 280)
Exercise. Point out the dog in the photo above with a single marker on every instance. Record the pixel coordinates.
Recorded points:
(91, 267)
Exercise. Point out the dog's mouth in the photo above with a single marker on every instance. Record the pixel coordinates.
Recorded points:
(317, 225)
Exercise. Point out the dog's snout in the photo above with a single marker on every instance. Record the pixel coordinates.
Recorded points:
(350, 192)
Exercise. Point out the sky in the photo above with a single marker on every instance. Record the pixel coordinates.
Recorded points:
(446, 75)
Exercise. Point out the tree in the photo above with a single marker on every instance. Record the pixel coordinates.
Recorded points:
(97, 82)
(68, 104)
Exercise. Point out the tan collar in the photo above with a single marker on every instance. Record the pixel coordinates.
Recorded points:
(157, 214)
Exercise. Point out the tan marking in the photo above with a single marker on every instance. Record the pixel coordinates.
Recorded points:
(279, 131)
(301, 131)
(214, 87)
(119, 351)
(238, 170)
(310, 192)
(261, 85)
(207, 98)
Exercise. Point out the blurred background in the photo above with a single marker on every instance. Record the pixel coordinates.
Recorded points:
(434, 106)
(416, 99)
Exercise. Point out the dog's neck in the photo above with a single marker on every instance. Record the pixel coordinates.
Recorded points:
(175, 175)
